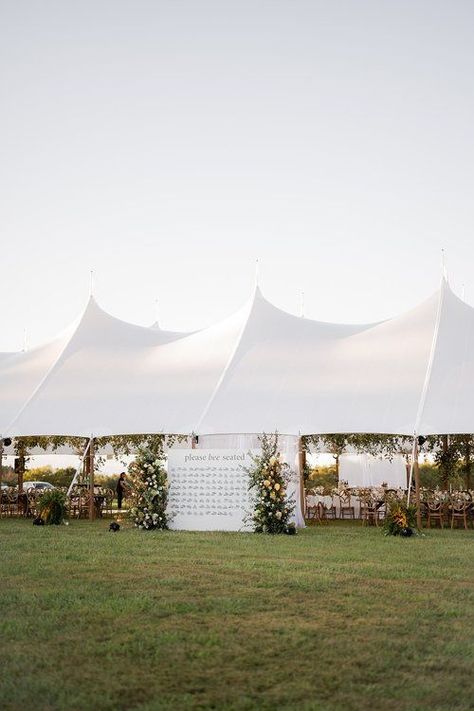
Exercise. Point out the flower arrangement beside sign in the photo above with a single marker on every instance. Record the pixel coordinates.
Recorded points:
(268, 482)
(149, 485)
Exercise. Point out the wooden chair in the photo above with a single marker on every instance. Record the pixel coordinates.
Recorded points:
(347, 511)
(321, 513)
(83, 507)
(380, 513)
(369, 514)
(74, 501)
(459, 512)
(328, 511)
(12, 505)
(435, 513)
(3, 503)
(32, 497)
(366, 508)
(109, 501)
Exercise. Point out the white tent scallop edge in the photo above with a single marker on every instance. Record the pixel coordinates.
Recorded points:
(261, 369)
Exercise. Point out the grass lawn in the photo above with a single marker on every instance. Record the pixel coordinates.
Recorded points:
(337, 617)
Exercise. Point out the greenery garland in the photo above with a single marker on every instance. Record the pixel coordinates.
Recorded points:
(149, 485)
(268, 482)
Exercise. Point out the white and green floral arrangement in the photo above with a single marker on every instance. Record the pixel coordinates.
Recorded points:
(149, 489)
(268, 486)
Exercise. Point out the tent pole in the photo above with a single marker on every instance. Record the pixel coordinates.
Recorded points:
(417, 489)
(301, 467)
(445, 441)
(80, 469)
(91, 480)
(415, 471)
(412, 468)
(21, 467)
(1, 471)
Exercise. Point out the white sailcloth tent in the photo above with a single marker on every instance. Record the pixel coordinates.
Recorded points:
(261, 369)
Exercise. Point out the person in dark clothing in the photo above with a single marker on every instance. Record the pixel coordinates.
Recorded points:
(121, 486)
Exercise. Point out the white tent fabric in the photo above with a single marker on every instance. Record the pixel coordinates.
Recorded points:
(448, 406)
(88, 381)
(292, 374)
(20, 374)
(261, 369)
(364, 470)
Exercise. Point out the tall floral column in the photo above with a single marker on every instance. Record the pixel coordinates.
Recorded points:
(149, 484)
(268, 482)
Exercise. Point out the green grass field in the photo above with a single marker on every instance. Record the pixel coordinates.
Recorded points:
(338, 617)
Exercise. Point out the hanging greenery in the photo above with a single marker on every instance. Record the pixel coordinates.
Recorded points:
(149, 488)
(268, 482)
(376, 444)
(24, 445)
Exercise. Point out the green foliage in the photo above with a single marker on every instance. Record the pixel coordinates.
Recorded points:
(375, 444)
(9, 476)
(23, 445)
(107, 481)
(453, 459)
(149, 482)
(452, 455)
(52, 506)
(400, 519)
(268, 481)
(322, 476)
(56, 477)
(125, 445)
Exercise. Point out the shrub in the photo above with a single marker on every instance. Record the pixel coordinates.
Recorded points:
(52, 506)
(400, 519)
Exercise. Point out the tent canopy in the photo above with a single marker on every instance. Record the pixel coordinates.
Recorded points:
(261, 369)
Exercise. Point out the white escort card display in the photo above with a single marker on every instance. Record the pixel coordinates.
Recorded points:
(208, 489)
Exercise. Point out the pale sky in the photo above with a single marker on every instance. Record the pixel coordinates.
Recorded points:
(168, 144)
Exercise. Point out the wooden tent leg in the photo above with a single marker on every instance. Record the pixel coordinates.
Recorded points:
(416, 472)
(301, 467)
(91, 481)
(1, 474)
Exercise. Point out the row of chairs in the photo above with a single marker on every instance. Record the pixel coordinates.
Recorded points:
(455, 513)
(370, 514)
(14, 503)
(79, 501)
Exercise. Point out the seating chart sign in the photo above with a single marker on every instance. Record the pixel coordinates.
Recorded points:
(208, 489)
